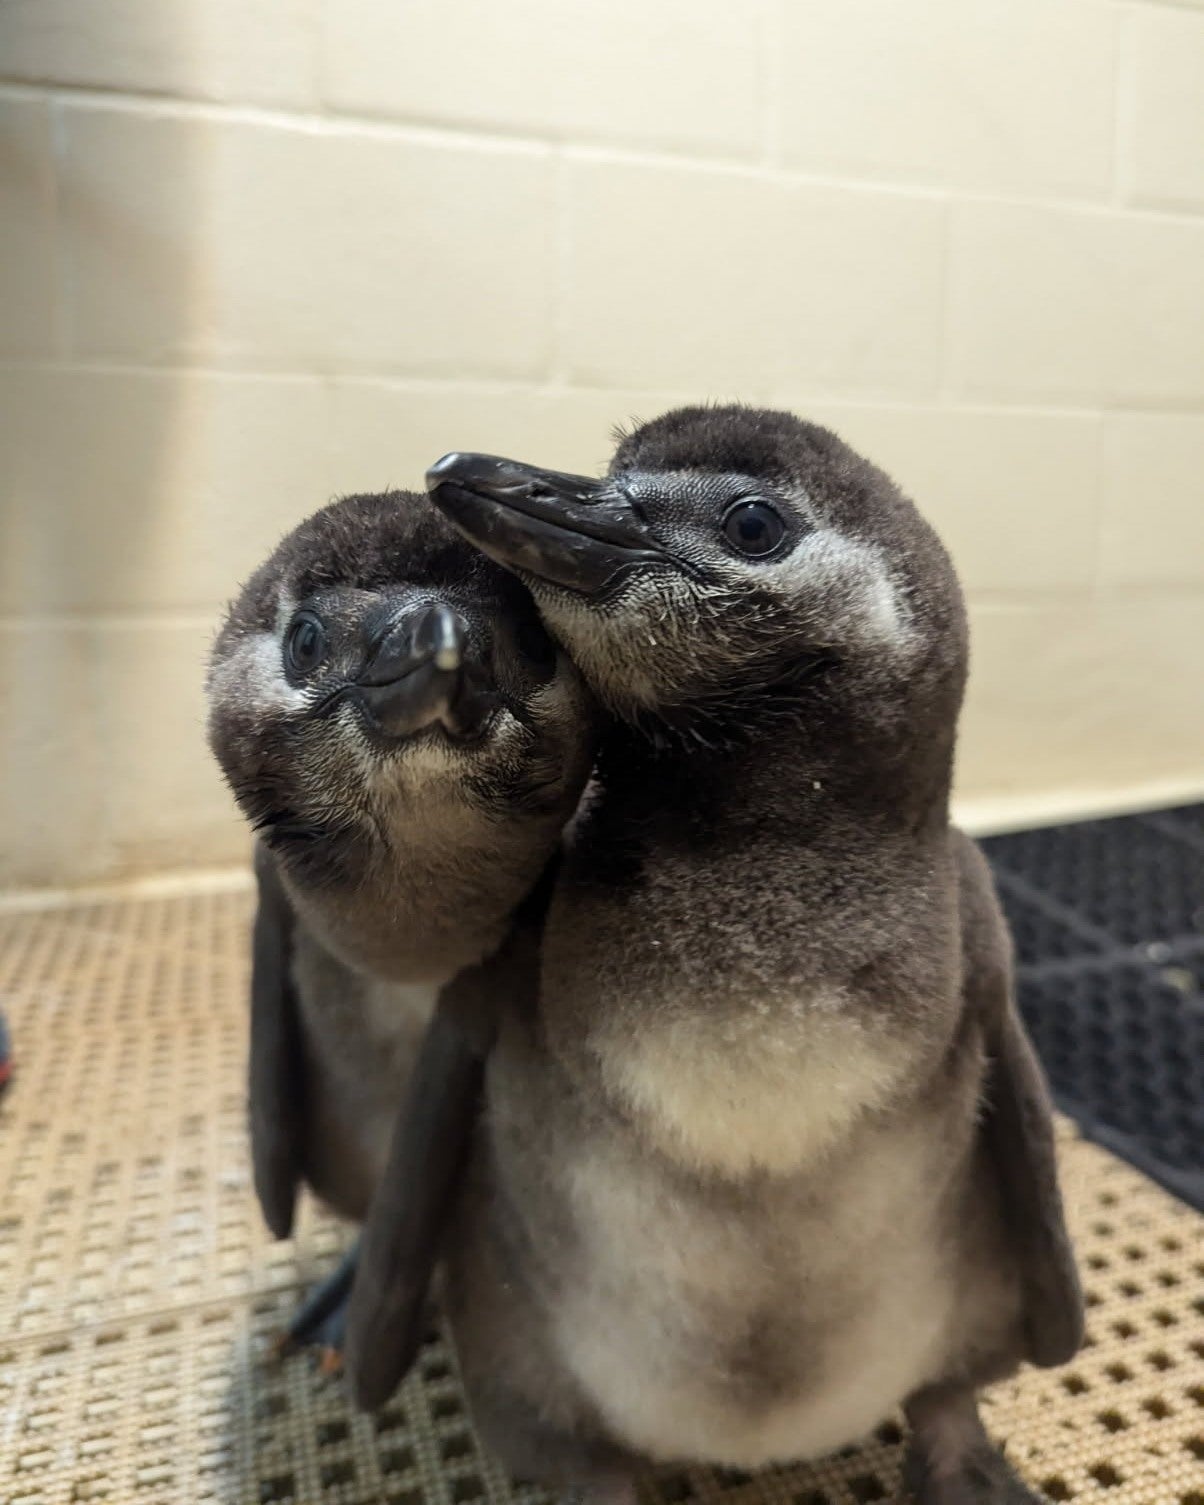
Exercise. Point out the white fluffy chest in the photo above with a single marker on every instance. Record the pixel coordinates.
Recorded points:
(848, 1309)
(768, 1089)
(393, 1009)
(667, 1411)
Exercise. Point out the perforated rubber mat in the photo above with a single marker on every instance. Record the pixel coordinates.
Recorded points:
(139, 1291)
(1108, 919)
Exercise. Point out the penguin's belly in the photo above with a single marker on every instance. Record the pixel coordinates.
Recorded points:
(844, 1387)
(778, 1324)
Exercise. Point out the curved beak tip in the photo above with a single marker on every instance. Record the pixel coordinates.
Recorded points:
(447, 464)
(568, 530)
(442, 633)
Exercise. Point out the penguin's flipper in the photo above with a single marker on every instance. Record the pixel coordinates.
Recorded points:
(1017, 1127)
(415, 1198)
(276, 1074)
(1017, 1123)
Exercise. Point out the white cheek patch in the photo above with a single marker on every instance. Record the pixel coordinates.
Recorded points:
(253, 675)
(850, 584)
(285, 610)
(885, 614)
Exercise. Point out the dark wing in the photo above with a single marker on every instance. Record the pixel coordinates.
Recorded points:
(410, 1211)
(414, 1203)
(1017, 1127)
(276, 1068)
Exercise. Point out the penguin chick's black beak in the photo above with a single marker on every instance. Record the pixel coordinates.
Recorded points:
(569, 530)
(418, 673)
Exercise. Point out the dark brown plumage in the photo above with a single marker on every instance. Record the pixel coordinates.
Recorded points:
(769, 1154)
(405, 806)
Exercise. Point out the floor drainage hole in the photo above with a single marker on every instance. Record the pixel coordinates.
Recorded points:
(457, 1446)
(390, 1420)
(1105, 1475)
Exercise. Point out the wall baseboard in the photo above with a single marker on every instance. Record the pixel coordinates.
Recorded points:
(986, 815)
(168, 885)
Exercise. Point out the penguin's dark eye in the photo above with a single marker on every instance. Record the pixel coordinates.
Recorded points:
(305, 646)
(753, 528)
(536, 646)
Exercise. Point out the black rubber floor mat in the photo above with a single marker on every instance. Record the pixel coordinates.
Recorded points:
(1108, 920)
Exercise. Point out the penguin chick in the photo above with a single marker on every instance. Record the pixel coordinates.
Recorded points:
(772, 1155)
(408, 742)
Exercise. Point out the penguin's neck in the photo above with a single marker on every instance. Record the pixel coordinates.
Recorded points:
(729, 1055)
(755, 941)
(422, 913)
(790, 778)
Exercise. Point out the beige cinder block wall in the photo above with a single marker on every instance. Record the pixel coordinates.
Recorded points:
(256, 252)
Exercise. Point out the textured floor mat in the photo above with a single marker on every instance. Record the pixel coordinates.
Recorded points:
(139, 1291)
(1108, 919)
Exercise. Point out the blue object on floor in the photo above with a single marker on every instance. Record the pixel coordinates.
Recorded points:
(1108, 920)
(6, 1054)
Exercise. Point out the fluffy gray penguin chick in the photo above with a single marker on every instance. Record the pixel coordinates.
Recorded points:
(770, 1155)
(408, 743)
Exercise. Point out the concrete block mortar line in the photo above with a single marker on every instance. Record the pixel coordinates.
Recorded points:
(500, 139)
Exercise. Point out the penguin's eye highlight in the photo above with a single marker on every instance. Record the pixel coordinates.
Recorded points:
(305, 646)
(753, 528)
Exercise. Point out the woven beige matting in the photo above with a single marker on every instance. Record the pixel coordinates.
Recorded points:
(139, 1291)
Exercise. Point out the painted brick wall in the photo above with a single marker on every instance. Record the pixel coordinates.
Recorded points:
(257, 252)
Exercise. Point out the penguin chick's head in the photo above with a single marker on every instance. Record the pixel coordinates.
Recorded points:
(376, 673)
(734, 564)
